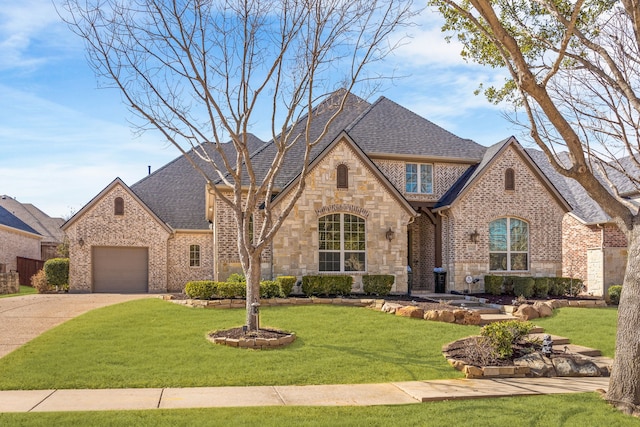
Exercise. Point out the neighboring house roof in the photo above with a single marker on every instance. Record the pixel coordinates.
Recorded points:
(7, 219)
(43, 224)
(175, 192)
(106, 190)
(472, 174)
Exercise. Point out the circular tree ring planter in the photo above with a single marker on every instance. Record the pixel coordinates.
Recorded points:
(259, 340)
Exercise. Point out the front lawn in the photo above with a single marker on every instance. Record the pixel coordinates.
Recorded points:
(24, 290)
(154, 343)
(580, 410)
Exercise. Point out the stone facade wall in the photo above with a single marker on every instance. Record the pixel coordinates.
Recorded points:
(15, 244)
(9, 283)
(98, 226)
(295, 248)
(179, 270)
(488, 200)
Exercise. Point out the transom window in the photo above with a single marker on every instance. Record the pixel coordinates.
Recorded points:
(419, 178)
(194, 256)
(508, 245)
(342, 243)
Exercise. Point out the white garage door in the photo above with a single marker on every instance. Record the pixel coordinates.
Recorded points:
(120, 270)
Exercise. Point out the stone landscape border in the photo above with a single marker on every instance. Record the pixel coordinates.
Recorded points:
(254, 343)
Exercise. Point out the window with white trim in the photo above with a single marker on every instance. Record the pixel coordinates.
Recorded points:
(342, 243)
(419, 178)
(508, 245)
(194, 256)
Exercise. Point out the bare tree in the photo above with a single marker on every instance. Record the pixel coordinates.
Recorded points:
(206, 71)
(574, 70)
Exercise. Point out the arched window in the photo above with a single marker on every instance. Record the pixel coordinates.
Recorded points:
(342, 243)
(509, 179)
(343, 176)
(118, 206)
(508, 245)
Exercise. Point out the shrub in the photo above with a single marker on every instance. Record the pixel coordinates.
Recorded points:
(574, 287)
(614, 294)
(541, 287)
(377, 284)
(503, 335)
(237, 278)
(57, 272)
(507, 285)
(39, 282)
(232, 290)
(201, 289)
(493, 284)
(523, 286)
(556, 286)
(286, 284)
(269, 289)
(326, 285)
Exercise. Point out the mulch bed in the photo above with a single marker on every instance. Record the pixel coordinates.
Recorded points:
(463, 351)
(239, 333)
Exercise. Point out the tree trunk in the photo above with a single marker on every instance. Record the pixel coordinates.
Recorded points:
(624, 384)
(253, 291)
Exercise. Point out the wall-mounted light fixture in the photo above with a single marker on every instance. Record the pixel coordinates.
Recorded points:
(473, 237)
(81, 242)
(390, 234)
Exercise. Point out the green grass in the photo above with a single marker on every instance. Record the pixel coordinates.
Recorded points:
(154, 343)
(579, 410)
(24, 290)
(591, 327)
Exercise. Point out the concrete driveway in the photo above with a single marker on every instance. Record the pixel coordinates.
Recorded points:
(25, 317)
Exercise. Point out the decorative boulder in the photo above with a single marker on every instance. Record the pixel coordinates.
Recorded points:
(544, 309)
(389, 307)
(539, 366)
(410, 311)
(432, 315)
(459, 315)
(447, 316)
(575, 367)
(526, 312)
(472, 318)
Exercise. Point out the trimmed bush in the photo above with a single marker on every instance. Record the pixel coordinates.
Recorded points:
(523, 286)
(503, 335)
(507, 285)
(286, 284)
(237, 278)
(326, 285)
(493, 284)
(269, 289)
(574, 287)
(541, 287)
(201, 289)
(231, 290)
(614, 294)
(377, 284)
(39, 282)
(57, 272)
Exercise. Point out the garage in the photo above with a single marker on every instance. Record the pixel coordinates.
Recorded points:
(120, 269)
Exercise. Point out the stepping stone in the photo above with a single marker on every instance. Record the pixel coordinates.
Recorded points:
(557, 340)
(490, 318)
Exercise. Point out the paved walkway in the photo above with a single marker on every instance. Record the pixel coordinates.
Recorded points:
(25, 317)
(312, 395)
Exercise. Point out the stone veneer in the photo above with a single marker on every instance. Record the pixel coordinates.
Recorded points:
(488, 200)
(295, 247)
(14, 243)
(99, 226)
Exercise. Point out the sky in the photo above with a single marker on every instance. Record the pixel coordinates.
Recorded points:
(63, 139)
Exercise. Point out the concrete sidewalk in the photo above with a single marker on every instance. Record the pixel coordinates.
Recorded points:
(311, 395)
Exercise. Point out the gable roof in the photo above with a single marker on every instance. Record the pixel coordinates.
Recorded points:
(116, 182)
(344, 137)
(176, 191)
(43, 224)
(474, 173)
(9, 220)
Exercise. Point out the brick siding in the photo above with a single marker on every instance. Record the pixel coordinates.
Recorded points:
(15, 244)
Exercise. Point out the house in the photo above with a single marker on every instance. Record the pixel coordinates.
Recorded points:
(387, 192)
(17, 239)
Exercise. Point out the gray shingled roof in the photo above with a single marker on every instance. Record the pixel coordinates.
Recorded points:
(176, 191)
(389, 128)
(10, 220)
(39, 221)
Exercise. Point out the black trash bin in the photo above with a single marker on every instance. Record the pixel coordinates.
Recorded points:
(440, 278)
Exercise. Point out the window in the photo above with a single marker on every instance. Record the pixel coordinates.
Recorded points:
(419, 178)
(194, 256)
(508, 245)
(342, 176)
(118, 206)
(342, 243)
(509, 180)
